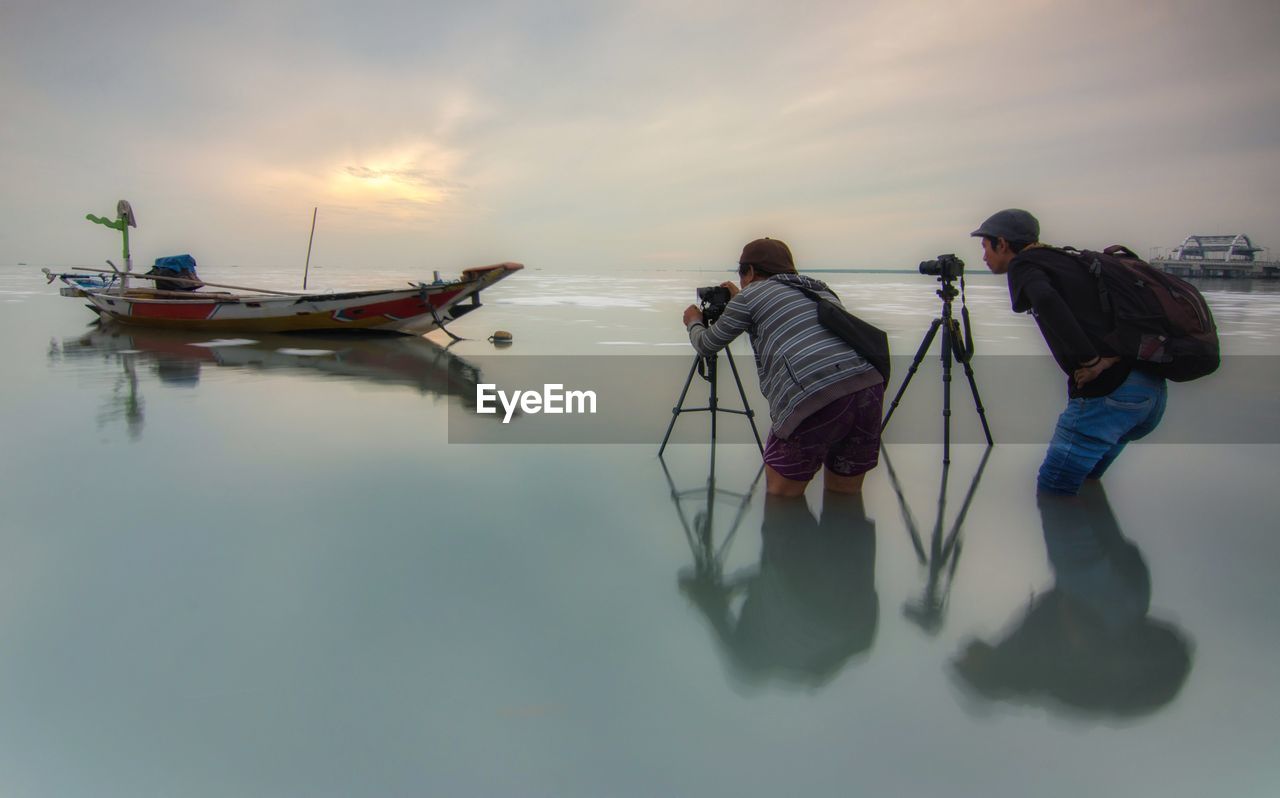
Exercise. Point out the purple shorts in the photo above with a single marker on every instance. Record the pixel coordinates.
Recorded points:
(844, 436)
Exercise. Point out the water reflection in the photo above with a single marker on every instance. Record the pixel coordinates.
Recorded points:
(1235, 285)
(1087, 646)
(807, 609)
(177, 359)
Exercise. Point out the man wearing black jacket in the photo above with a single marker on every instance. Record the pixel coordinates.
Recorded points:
(1109, 401)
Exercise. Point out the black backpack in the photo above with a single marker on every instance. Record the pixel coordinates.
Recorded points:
(866, 339)
(1161, 321)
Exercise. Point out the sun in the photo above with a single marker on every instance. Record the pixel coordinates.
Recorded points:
(412, 179)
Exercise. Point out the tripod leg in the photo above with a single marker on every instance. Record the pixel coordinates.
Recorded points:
(964, 359)
(746, 406)
(675, 411)
(911, 372)
(713, 399)
(950, 547)
(948, 342)
(908, 520)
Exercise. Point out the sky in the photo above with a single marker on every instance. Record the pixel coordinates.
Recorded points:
(611, 136)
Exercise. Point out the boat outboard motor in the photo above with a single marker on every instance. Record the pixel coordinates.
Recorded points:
(181, 267)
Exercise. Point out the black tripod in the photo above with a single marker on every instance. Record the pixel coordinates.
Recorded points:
(951, 347)
(706, 368)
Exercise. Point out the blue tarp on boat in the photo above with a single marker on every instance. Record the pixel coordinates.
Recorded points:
(182, 270)
(177, 265)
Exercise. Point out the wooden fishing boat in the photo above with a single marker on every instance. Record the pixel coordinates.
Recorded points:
(418, 309)
(415, 310)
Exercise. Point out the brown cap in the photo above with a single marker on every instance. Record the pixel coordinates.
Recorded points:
(768, 256)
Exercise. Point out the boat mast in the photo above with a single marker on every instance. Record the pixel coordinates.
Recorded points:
(307, 267)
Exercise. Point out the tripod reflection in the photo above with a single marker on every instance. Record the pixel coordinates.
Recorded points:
(1087, 646)
(807, 609)
(943, 555)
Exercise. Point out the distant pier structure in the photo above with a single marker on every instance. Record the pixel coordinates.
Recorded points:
(1217, 256)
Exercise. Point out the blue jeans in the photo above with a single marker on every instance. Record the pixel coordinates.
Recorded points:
(1091, 433)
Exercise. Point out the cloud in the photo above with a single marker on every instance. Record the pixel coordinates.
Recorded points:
(616, 132)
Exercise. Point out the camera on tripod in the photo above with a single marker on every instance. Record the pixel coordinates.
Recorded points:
(713, 298)
(946, 267)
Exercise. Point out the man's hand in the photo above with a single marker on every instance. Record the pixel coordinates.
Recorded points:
(732, 286)
(692, 314)
(1087, 374)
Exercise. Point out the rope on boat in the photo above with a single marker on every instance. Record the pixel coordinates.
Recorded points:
(422, 291)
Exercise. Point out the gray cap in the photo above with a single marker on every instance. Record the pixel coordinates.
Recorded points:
(1011, 224)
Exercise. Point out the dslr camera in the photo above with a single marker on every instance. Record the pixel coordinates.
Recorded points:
(713, 298)
(945, 267)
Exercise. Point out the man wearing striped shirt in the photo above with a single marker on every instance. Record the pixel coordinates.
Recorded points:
(824, 398)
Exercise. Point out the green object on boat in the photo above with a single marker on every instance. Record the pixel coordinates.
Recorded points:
(123, 221)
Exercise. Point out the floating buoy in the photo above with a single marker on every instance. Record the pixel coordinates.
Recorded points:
(501, 338)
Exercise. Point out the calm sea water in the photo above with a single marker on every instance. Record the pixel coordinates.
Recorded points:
(262, 568)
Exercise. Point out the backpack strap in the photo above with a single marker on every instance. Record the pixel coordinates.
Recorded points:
(1091, 262)
(809, 292)
(1120, 250)
(1104, 298)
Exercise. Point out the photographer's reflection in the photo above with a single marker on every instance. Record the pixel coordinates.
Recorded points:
(1088, 644)
(809, 607)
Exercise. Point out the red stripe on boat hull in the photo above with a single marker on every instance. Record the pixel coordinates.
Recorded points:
(405, 308)
(174, 310)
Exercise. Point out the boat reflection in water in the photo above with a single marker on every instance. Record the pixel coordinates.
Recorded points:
(1087, 646)
(807, 610)
(177, 358)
